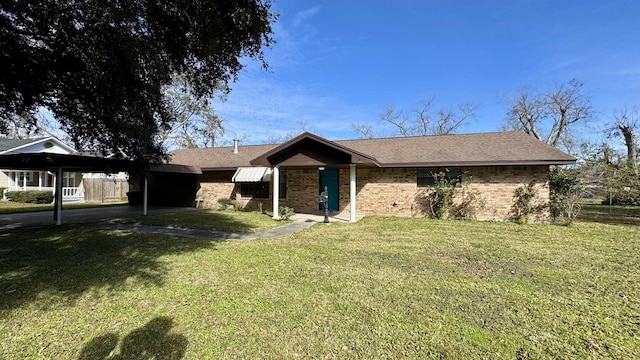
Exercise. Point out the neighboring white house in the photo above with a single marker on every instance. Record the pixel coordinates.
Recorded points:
(22, 180)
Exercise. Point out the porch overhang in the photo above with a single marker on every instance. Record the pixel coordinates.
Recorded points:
(68, 162)
(308, 150)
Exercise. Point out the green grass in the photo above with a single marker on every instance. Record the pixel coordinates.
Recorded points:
(10, 207)
(609, 214)
(209, 219)
(379, 288)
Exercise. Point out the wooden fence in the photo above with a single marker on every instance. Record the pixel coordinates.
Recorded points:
(105, 190)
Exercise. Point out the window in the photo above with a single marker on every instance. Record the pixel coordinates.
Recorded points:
(256, 190)
(427, 176)
(68, 179)
(260, 190)
(22, 176)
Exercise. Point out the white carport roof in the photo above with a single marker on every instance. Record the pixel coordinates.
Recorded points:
(251, 174)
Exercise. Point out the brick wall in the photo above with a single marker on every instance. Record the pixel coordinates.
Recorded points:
(498, 183)
(385, 191)
(302, 190)
(214, 186)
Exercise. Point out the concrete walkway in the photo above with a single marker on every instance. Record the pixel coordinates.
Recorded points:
(99, 217)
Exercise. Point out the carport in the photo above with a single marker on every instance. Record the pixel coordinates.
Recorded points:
(58, 163)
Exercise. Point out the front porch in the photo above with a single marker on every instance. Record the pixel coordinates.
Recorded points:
(320, 165)
(44, 181)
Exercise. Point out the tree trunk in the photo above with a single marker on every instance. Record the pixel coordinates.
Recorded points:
(632, 147)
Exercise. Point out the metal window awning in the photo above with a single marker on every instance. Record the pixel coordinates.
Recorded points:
(251, 174)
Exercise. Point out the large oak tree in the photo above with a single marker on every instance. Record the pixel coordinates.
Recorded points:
(100, 65)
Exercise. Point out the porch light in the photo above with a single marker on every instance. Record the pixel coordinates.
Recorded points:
(321, 168)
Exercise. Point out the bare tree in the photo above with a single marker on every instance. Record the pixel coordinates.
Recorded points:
(274, 138)
(365, 131)
(449, 120)
(626, 123)
(423, 120)
(194, 123)
(549, 116)
(400, 122)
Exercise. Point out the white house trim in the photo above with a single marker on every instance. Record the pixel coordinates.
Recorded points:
(64, 146)
(352, 192)
(276, 192)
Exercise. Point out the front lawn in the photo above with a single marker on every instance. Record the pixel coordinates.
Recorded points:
(609, 214)
(208, 219)
(379, 288)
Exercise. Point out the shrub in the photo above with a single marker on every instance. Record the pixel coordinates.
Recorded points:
(526, 203)
(225, 203)
(623, 188)
(631, 199)
(286, 212)
(468, 205)
(440, 201)
(437, 201)
(32, 197)
(2, 189)
(565, 192)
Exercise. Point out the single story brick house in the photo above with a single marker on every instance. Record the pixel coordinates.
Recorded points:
(372, 176)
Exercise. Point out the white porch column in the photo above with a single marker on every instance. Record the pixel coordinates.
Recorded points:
(276, 192)
(24, 180)
(40, 174)
(12, 179)
(352, 192)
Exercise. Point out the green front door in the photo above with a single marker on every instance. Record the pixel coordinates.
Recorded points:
(330, 179)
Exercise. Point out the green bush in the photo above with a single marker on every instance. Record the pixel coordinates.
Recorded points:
(526, 203)
(2, 189)
(565, 192)
(623, 188)
(449, 198)
(33, 197)
(226, 203)
(286, 212)
(468, 205)
(438, 200)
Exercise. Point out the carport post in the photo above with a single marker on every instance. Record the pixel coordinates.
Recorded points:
(145, 198)
(57, 199)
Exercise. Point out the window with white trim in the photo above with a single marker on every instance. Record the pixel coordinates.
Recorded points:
(68, 179)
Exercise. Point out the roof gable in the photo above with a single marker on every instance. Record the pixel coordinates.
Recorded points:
(311, 150)
(40, 145)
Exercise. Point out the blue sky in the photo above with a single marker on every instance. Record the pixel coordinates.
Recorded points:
(337, 63)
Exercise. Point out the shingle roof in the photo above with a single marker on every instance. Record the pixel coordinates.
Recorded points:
(497, 148)
(480, 149)
(219, 158)
(8, 144)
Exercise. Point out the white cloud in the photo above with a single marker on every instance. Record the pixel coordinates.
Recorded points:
(301, 17)
(259, 108)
